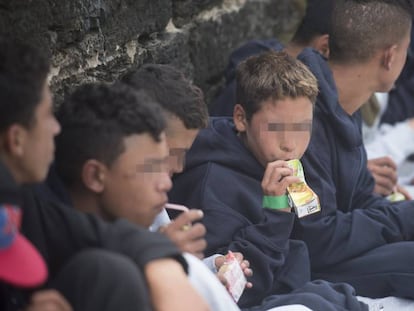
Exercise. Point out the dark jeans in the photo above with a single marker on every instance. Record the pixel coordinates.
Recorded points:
(93, 280)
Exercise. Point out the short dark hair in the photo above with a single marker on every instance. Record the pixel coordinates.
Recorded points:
(274, 75)
(176, 95)
(316, 21)
(361, 27)
(95, 119)
(23, 74)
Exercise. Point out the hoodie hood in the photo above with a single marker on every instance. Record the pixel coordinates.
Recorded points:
(223, 105)
(251, 48)
(218, 143)
(327, 105)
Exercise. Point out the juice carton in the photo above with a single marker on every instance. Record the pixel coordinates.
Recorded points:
(301, 196)
(233, 273)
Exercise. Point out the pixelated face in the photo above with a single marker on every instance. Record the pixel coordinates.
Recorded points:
(137, 183)
(179, 140)
(38, 142)
(280, 130)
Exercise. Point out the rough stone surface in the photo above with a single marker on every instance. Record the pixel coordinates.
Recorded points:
(98, 40)
(236, 23)
(185, 10)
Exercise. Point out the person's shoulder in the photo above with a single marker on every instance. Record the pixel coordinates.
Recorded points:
(314, 60)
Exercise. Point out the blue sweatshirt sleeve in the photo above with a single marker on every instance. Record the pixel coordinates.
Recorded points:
(353, 220)
(235, 221)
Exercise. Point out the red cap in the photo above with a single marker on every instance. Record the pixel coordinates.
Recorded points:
(20, 263)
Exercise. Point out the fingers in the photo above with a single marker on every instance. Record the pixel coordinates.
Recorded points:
(270, 174)
(190, 240)
(384, 172)
(277, 177)
(277, 188)
(404, 192)
(219, 261)
(48, 300)
(249, 285)
(383, 161)
(239, 256)
(186, 218)
(384, 184)
(244, 264)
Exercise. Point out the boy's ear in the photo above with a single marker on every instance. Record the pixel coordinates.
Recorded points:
(239, 118)
(93, 175)
(321, 44)
(14, 139)
(389, 56)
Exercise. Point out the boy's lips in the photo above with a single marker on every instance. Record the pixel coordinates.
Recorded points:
(161, 206)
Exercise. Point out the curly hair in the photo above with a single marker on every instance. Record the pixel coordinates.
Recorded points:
(172, 91)
(23, 74)
(95, 119)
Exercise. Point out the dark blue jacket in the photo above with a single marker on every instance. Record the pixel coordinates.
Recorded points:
(353, 219)
(224, 180)
(224, 104)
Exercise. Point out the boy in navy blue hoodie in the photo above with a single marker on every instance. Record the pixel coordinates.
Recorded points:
(91, 265)
(233, 163)
(359, 237)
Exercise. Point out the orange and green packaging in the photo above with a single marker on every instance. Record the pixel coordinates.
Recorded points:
(301, 197)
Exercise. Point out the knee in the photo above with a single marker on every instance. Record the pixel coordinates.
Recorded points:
(98, 264)
(92, 274)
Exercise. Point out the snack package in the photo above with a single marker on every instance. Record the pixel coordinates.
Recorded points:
(301, 196)
(396, 197)
(233, 273)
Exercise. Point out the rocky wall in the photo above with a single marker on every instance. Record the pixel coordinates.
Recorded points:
(97, 40)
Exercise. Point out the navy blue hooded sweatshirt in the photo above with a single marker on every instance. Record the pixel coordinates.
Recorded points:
(225, 102)
(353, 220)
(224, 180)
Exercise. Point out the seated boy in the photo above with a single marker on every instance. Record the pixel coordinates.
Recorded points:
(234, 163)
(119, 169)
(113, 158)
(313, 31)
(359, 237)
(186, 114)
(77, 249)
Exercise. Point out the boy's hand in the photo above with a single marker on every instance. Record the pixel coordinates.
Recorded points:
(48, 300)
(189, 238)
(404, 192)
(384, 171)
(277, 177)
(244, 264)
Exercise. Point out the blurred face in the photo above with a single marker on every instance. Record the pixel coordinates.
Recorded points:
(136, 184)
(38, 141)
(278, 131)
(179, 140)
(395, 64)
